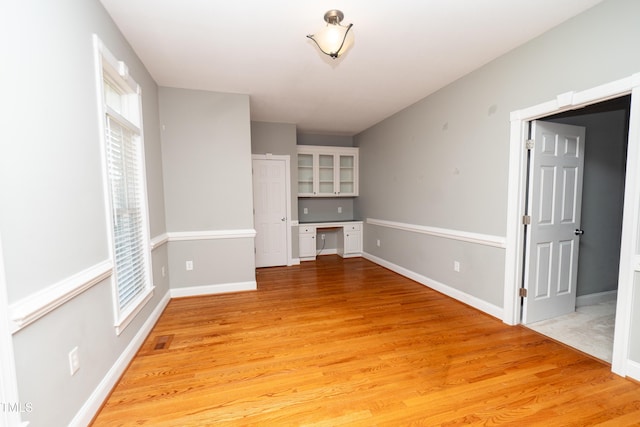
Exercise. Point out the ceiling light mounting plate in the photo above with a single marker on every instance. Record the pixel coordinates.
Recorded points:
(333, 16)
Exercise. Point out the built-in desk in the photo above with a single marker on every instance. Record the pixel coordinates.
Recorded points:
(349, 238)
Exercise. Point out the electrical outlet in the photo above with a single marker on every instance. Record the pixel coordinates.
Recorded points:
(189, 265)
(305, 211)
(456, 266)
(164, 271)
(74, 361)
(339, 209)
(322, 236)
(378, 243)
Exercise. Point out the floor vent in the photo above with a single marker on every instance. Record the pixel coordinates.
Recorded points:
(162, 342)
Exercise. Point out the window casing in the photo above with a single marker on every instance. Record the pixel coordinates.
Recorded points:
(125, 186)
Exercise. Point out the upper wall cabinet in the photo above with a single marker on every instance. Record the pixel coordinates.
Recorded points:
(327, 171)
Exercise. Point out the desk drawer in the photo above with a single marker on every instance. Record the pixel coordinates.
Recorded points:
(306, 230)
(352, 227)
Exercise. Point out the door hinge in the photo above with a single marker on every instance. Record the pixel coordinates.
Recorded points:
(526, 219)
(529, 144)
(523, 292)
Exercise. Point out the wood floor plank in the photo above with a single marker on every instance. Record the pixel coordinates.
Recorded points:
(346, 342)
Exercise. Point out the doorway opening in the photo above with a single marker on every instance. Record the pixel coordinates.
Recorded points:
(589, 322)
(626, 353)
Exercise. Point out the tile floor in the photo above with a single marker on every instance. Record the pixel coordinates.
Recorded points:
(589, 329)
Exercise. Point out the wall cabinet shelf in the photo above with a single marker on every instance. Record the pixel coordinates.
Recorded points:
(327, 171)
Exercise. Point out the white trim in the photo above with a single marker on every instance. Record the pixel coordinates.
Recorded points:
(99, 395)
(136, 306)
(179, 236)
(8, 379)
(158, 241)
(108, 66)
(222, 288)
(456, 294)
(628, 249)
(465, 236)
(36, 305)
(633, 370)
(629, 262)
(289, 222)
(596, 298)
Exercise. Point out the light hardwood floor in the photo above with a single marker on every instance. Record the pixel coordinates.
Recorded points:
(346, 342)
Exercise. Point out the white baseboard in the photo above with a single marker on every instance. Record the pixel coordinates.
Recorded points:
(596, 298)
(633, 370)
(222, 288)
(100, 394)
(456, 294)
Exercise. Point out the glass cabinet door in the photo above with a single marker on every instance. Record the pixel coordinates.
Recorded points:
(347, 174)
(326, 174)
(305, 174)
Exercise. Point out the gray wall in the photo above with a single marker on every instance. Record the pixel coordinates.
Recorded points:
(53, 219)
(325, 209)
(322, 139)
(280, 139)
(443, 162)
(602, 198)
(206, 151)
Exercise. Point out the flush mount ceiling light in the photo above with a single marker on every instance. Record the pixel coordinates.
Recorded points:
(334, 39)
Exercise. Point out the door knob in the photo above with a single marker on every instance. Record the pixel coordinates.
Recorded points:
(283, 219)
(579, 232)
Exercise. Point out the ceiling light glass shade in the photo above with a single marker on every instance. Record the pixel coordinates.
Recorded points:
(334, 39)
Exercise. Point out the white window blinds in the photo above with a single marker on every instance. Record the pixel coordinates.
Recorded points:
(126, 184)
(120, 105)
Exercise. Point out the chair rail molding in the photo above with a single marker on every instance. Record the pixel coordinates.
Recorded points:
(177, 236)
(158, 241)
(464, 236)
(31, 308)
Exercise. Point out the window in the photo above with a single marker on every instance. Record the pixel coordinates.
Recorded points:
(125, 188)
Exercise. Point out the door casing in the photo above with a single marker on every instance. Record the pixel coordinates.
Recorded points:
(629, 260)
(8, 379)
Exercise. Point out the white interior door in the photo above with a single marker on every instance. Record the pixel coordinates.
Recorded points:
(555, 199)
(270, 211)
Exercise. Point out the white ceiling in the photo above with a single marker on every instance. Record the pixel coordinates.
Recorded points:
(404, 50)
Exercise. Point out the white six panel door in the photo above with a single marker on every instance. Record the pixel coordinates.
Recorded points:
(555, 199)
(270, 212)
